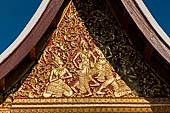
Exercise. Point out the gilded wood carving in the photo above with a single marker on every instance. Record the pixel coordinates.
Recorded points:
(72, 66)
(74, 75)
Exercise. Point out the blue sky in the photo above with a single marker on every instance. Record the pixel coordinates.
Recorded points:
(14, 15)
(160, 10)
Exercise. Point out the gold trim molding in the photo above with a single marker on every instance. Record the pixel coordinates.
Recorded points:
(85, 105)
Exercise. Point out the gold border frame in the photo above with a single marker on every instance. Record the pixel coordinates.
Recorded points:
(58, 105)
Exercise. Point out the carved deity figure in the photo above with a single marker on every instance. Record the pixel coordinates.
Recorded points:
(84, 66)
(104, 70)
(57, 87)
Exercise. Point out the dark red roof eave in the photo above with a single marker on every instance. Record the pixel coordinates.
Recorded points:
(146, 28)
(31, 39)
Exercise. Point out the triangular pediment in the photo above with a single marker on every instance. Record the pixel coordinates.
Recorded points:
(77, 69)
(72, 66)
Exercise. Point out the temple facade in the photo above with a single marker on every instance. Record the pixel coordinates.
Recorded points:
(93, 57)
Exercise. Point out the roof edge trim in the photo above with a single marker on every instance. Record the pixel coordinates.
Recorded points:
(153, 22)
(37, 15)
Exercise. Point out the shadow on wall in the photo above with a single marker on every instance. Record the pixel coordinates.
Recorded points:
(119, 50)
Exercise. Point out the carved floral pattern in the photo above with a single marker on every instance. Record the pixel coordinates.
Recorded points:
(72, 66)
(119, 49)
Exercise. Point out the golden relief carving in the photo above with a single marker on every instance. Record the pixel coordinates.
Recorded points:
(56, 84)
(72, 66)
(72, 75)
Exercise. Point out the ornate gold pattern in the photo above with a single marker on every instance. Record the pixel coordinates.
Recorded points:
(82, 105)
(72, 75)
(72, 66)
(119, 49)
